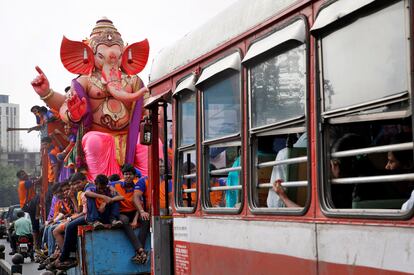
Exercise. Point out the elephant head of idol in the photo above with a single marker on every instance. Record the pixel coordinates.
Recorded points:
(104, 51)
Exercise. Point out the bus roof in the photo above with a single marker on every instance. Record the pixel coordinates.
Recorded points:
(226, 25)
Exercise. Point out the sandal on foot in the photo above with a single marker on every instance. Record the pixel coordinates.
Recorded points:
(144, 258)
(66, 264)
(98, 225)
(140, 257)
(116, 224)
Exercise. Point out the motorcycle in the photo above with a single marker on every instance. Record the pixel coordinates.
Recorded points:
(24, 247)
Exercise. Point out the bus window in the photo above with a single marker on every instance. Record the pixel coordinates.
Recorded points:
(277, 83)
(221, 141)
(366, 114)
(186, 178)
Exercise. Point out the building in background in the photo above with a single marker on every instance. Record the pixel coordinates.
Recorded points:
(11, 152)
(9, 118)
(28, 161)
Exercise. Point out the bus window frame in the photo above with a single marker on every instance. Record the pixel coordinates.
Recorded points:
(344, 115)
(229, 140)
(180, 149)
(295, 124)
(178, 195)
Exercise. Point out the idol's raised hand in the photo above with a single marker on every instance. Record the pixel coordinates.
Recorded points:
(40, 83)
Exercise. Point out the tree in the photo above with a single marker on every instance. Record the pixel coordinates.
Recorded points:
(8, 186)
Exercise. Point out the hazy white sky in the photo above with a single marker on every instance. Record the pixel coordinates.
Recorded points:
(33, 30)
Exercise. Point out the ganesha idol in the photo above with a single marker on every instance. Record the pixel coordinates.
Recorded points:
(105, 101)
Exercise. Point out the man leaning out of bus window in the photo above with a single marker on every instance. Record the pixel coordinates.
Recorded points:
(132, 210)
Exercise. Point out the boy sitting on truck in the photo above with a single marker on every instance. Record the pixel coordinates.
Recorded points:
(102, 211)
(131, 209)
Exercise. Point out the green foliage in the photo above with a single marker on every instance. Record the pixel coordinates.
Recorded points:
(8, 186)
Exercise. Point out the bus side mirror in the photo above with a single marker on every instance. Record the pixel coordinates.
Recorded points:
(145, 132)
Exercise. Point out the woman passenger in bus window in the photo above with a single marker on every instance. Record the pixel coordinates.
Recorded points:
(233, 179)
(232, 197)
(353, 166)
(400, 162)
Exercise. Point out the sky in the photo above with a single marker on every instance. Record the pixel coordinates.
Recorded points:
(32, 32)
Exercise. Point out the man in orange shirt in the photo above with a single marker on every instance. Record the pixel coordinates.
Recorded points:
(132, 209)
(163, 204)
(145, 196)
(53, 167)
(28, 200)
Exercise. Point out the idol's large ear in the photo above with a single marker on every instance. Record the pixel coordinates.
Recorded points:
(135, 57)
(77, 57)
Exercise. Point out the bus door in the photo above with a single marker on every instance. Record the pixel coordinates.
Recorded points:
(161, 186)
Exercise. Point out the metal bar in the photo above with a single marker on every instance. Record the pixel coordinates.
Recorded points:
(44, 182)
(186, 147)
(285, 184)
(280, 162)
(374, 179)
(373, 103)
(224, 188)
(376, 149)
(227, 141)
(190, 176)
(188, 179)
(369, 117)
(282, 131)
(17, 129)
(225, 170)
(165, 149)
(189, 190)
(155, 168)
(279, 124)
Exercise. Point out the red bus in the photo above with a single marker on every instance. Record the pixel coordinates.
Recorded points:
(291, 143)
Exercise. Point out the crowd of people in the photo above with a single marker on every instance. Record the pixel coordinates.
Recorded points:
(117, 201)
(360, 165)
(72, 199)
(97, 166)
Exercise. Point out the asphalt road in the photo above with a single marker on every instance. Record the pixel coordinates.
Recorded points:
(29, 268)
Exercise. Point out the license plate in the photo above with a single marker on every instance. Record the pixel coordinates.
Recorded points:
(23, 247)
